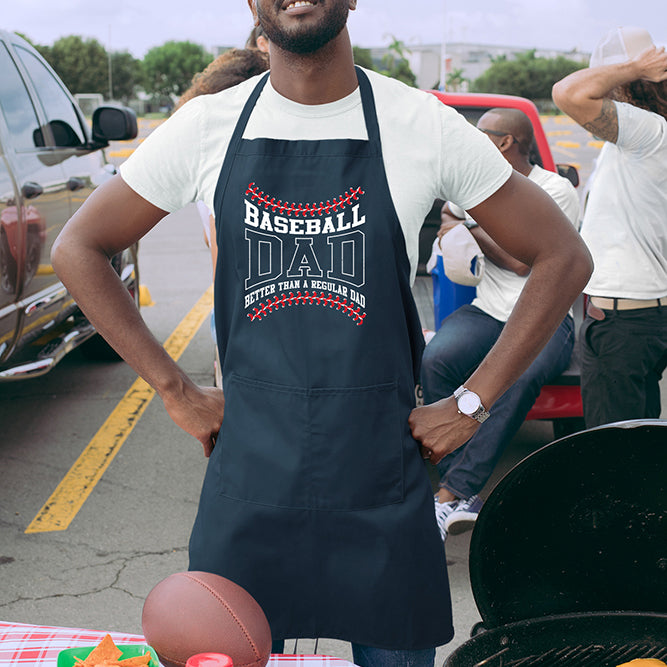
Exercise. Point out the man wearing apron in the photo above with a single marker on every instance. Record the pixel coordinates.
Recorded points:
(316, 499)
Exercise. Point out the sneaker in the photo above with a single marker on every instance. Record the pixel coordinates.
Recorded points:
(463, 516)
(442, 512)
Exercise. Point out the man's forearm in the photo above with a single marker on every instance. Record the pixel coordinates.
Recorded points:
(101, 295)
(497, 255)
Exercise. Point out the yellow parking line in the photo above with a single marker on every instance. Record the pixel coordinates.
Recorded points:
(123, 152)
(568, 144)
(70, 495)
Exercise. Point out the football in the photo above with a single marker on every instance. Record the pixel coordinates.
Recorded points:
(199, 612)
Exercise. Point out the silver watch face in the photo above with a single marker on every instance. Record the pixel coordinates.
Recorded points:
(469, 402)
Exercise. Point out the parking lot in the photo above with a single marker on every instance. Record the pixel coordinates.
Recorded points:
(83, 540)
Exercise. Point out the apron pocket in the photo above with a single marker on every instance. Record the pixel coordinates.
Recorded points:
(328, 449)
(356, 454)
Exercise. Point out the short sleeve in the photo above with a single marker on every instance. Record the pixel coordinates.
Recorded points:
(165, 167)
(472, 167)
(565, 195)
(639, 131)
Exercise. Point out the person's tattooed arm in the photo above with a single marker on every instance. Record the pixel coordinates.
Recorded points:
(605, 126)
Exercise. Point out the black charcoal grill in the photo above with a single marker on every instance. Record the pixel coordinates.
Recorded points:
(568, 559)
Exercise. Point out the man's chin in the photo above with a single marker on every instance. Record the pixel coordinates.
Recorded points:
(307, 36)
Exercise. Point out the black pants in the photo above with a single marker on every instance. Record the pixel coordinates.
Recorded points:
(622, 360)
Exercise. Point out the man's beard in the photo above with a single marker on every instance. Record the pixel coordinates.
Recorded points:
(303, 41)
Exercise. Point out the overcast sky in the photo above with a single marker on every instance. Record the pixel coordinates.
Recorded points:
(138, 25)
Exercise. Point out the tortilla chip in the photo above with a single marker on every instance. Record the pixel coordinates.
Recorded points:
(138, 661)
(105, 652)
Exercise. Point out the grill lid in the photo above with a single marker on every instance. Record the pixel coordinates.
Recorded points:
(578, 526)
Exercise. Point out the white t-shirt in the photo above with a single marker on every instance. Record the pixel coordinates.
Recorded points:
(499, 289)
(625, 222)
(430, 151)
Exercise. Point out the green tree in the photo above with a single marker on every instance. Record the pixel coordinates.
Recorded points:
(396, 65)
(168, 69)
(82, 64)
(362, 57)
(126, 75)
(455, 80)
(526, 76)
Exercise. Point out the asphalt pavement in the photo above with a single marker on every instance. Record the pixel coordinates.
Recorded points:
(131, 529)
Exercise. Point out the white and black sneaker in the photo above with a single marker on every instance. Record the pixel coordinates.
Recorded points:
(463, 516)
(442, 513)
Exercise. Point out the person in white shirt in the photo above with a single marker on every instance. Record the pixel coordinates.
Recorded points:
(467, 334)
(622, 99)
(316, 499)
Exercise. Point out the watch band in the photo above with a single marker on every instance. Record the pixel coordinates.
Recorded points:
(481, 414)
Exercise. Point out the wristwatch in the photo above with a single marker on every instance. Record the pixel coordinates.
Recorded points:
(470, 404)
(469, 223)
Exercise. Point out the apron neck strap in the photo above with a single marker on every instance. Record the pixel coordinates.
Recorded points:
(368, 104)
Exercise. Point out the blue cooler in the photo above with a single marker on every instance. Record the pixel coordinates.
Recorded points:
(447, 296)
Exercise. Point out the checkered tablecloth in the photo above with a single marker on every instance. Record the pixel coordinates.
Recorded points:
(38, 645)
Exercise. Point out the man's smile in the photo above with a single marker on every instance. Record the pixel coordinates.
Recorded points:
(298, 6)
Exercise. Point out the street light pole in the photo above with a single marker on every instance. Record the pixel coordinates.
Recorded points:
(443, 48)
(110, 73)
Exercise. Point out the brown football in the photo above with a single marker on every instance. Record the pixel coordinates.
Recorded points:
(199, 612)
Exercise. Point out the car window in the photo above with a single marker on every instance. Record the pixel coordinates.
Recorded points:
(16, 105)
(60, 113)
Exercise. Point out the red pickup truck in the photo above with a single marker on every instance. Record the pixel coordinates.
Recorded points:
(559, 402)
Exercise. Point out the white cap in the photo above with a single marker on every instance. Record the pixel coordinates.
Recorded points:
(620, 45)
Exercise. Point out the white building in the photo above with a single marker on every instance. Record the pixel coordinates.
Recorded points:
(472, 59)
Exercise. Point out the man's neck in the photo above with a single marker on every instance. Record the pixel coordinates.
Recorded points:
(318, 78)
(521, 164)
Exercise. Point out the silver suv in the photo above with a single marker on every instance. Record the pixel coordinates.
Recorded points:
(50, 161)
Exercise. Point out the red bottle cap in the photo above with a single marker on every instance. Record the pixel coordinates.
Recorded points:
(209, 660)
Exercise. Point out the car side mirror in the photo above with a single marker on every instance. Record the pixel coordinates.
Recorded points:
(113, 123)
(570, 172)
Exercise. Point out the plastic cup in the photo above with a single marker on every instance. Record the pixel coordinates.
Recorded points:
(209, 660)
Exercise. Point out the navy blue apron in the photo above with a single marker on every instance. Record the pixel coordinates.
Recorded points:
(316, 499)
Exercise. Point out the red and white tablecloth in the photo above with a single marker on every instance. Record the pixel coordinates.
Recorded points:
(39, 645)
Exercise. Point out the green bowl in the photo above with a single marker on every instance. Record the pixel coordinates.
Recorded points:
(67, 657)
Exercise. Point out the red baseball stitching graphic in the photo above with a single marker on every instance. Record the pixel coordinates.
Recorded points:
(345, 307)
(279, 206)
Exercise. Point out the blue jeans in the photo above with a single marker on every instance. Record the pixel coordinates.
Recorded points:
(367, 656)
(463, 340)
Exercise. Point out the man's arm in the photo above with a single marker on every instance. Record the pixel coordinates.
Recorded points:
(492, 251)
(583, 95)
(530, 226)
(113, 218)
(497, 255)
